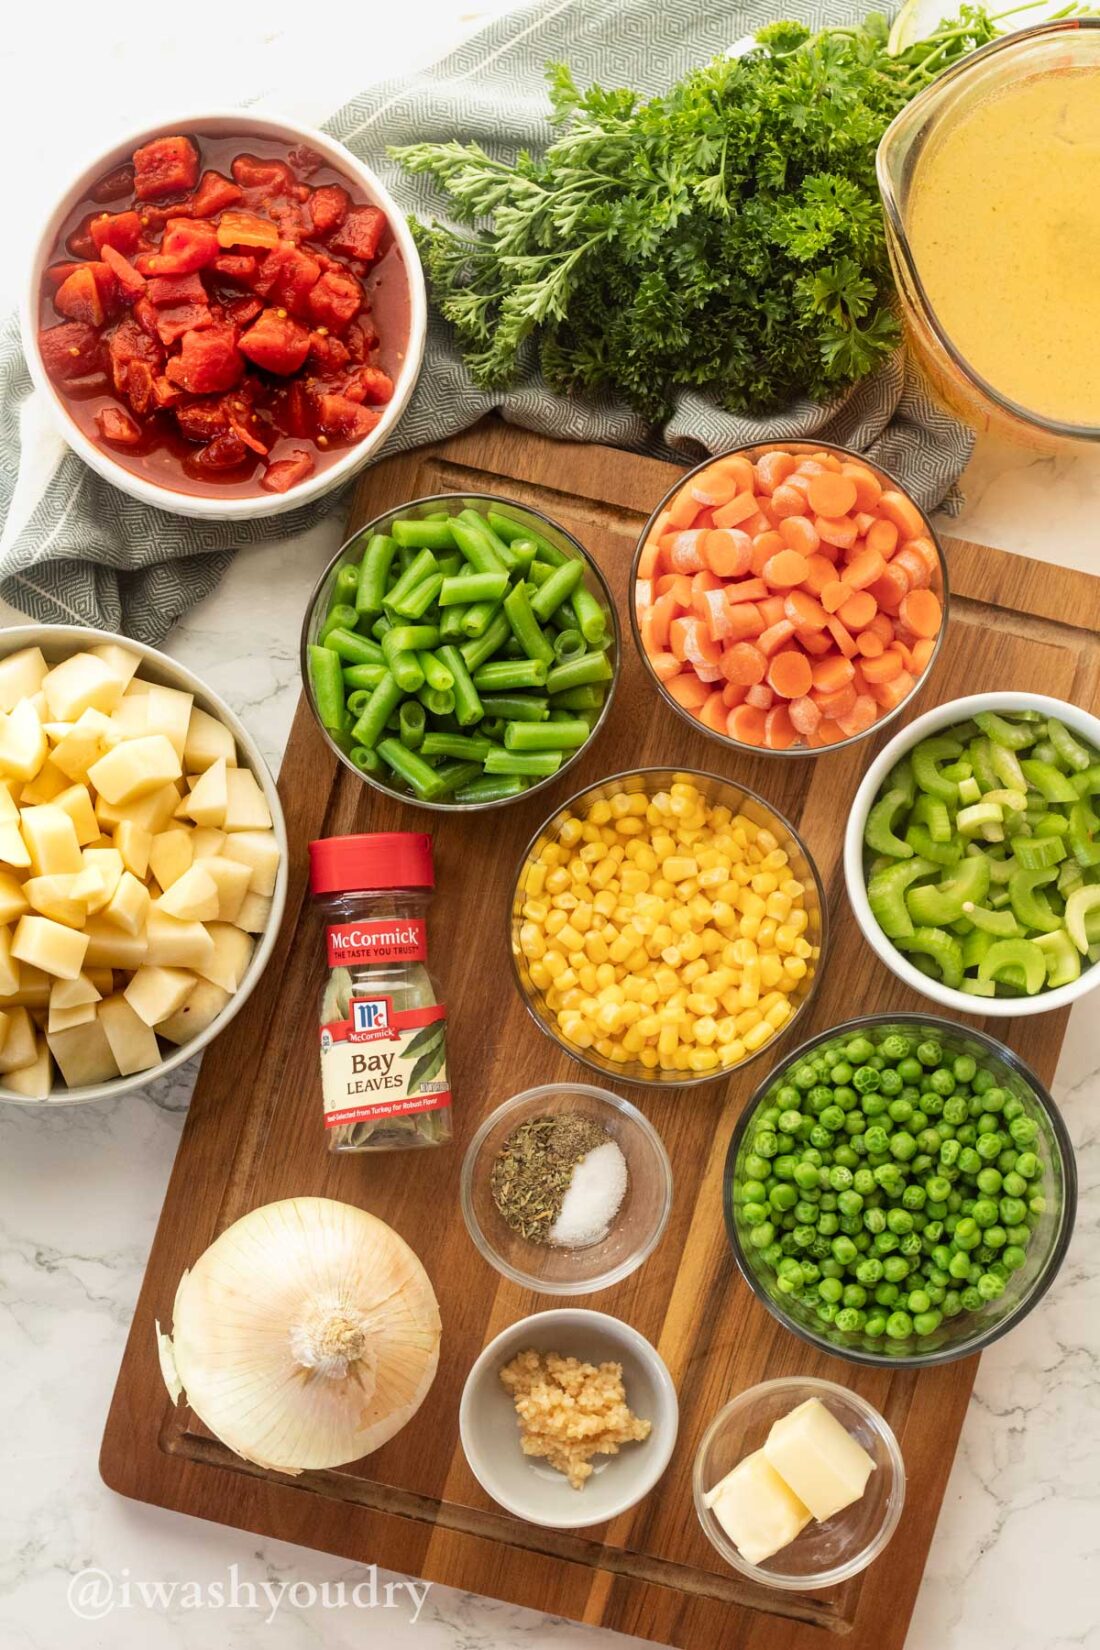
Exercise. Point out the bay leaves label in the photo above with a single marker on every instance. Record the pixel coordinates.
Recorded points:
(383, 1061)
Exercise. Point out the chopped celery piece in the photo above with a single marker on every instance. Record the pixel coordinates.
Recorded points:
(934, 905)
(940, 948)
(969, 789)
(971, 820)
(1062, 958)
(1083, 842)
(1073, 754)
(1031, 909)
(921, 841)
(886, 895)
(980, 988)
(1012, 736)
(1050, 784)
(1002, 924)
(879, 830)
(1006, 766)
(1079, 905)
(925, 758)
(1006, 955)
(932, 811)
(1037, 853)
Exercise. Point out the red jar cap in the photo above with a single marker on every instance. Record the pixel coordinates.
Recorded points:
(384, 859)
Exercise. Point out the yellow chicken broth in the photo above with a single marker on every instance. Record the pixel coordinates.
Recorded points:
(1004, 223)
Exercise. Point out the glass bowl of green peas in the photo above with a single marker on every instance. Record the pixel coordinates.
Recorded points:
(460, 651)
(901, 1189)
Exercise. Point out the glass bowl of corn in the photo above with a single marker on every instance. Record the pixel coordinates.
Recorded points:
(666, 926)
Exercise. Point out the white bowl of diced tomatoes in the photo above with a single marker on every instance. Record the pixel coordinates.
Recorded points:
(227, 315)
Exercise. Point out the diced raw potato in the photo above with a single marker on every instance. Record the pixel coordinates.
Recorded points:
(134, 843)
(18, 1048)
(50, 836)
(133, 1044)
(232, 948)
(128, 906)
(156, 993)
(207, 740)
(13, 901)
(135, 769)
(79, 683)
(131, 719)
(52, 896)
(63, 1019)
(33, 989)
(122, 662)
(75, 993)
(9, 811)
(83, 1054)
(152, 812)
(209, 799)
(139, 685)
(254, 914)
(50, 946)
(89, 886)
(13, 850)
(206, 842)
(23, 744)
(47, 784)
(9, 967)
(33, 1082)
(79, 744)
(259, 850)
(77, 802)
(246, 809)
(193, 897)
(175, 944)
(231, 879)
(202, 1007)
(169, 712)
(170, 856)
(40, 707)
(21, 676)
(4, 1025)
(111, 947)
(108, 866)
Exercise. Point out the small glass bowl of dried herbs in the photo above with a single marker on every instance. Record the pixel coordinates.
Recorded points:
(566, 1188)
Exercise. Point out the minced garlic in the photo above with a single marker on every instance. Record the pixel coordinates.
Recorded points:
(569, 1411)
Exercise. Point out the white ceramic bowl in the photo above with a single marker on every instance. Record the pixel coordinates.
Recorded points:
(214, 507)
(934, 721)
(56, 642)
(533, 1490)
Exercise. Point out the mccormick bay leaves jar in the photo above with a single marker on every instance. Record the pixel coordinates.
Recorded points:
(384, 1080)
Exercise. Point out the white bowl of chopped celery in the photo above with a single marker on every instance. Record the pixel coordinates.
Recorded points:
(972, 854)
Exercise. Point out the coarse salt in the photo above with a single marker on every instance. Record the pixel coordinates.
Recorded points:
(592, 1199)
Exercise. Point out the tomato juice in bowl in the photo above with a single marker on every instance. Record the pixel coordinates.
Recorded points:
(234, 330)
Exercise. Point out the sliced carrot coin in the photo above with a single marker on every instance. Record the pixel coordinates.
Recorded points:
(858, 610)
(817, 643)
(867, 484)
(901, 510)
(683, 509)
(760, 695)
(883, 669)
(889, 589)
(744, 664)
(780, 732)
(727, 551)
(863, 715)
(830, 675)
(688, 690)
(713, 712)
(889, 695)
(740, 468)
(772, 639)
(786, 570)
(739, 509)
(832, 495)
(772, 470)
(772, 609)
(746, 725)
(664, 665)
(842, 637)
(870, 644)
(746, 619)
(717, 614)
(805, 715)
(685, 551)
(864, 570)
(826, 733)
(835, 594)
(733, 694)
(789, 501)
(713, 486)
(805, 611)
(838, 530)
(922, 612)
(676, 585)
(922, 652)
(799, 533)
(882, 536)
(748, 590)
(820, 571)
(789, 674)
(835, 704)
(649, 562)
(882, 625)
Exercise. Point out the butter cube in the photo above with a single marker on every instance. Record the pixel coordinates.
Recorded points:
(51, 838)
(134, 769)
(818, 1458)
(79, 683)
(758, 1511)
(21, 676)
(50, 946)
(22, 742)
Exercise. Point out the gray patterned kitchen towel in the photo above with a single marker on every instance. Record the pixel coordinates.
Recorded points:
(74, 549)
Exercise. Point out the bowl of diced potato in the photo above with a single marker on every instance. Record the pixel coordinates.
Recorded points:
(143, 864)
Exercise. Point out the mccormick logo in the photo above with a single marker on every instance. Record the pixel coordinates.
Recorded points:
(370, 1015)
(353, 938)
(367, 943)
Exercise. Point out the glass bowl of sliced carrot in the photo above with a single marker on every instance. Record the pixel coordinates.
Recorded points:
(788, 597)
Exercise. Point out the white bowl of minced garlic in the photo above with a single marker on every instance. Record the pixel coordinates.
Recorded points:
(527, 1409)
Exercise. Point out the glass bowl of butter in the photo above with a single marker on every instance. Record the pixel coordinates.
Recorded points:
(799, 1483)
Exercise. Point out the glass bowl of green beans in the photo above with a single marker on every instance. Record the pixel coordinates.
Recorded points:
(901, 1189)
(460, 651)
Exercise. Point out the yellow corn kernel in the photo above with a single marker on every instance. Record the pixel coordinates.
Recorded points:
(649, 1058)
(706, 1029)
(667, 1043)
(778, 1014)
(596, 947)
(702, 1059)
(554, 964)
(778, 906)
(605, 974)
(803, 948)
(604, 902)
(569, 937)
(794, 968)
(540, 976)
(599, 813)
(566, 980)
(633, 881)
(771, 970)
(633, 1041)
(758, 1035)
(586, 977)
(733, 1052)
(764, 883)
(747, 1018)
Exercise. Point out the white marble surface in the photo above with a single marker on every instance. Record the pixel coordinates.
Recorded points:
(1013, 1561)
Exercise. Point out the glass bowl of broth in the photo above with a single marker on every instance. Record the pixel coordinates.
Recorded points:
(990, 181)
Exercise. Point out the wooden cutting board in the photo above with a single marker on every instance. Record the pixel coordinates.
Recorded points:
(254, 1134)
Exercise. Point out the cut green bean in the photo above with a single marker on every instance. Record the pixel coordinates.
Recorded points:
(557, 589)
(503, 675)
(435, 671)
(422, 566)
(516, 707)
(382, 704)
(501, 547)
(364, 676)
(569, 644)
(352, 648)
(410, 767)
(531, 764)
(346, 584)
(423, 533)
(473, 587)
(520, 612)
(437, 701)
(327, 683)
(340, 617)
(589, 697)
(492, 789)
(508, 529)
(365, 759)
(450, 623)
(525, 551)
(477, 618)
(416, 602)
(453, 775)
(476, 547)
(466, 747)
(475, 652)
(359, 700)
(467, 703)
(374, 572)
(590, 616)
(413, 719)
(594, 667)
(545, 736)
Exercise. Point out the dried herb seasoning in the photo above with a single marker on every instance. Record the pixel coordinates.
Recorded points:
(532, 1171)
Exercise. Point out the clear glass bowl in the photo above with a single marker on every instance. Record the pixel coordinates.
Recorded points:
(971, 1331)
(350, 553)
(1049, 48)
(828, 1552)
(939, 585)
(719, 792)
(637, 1227)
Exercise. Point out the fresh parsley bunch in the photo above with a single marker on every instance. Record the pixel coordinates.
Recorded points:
(726, 236)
